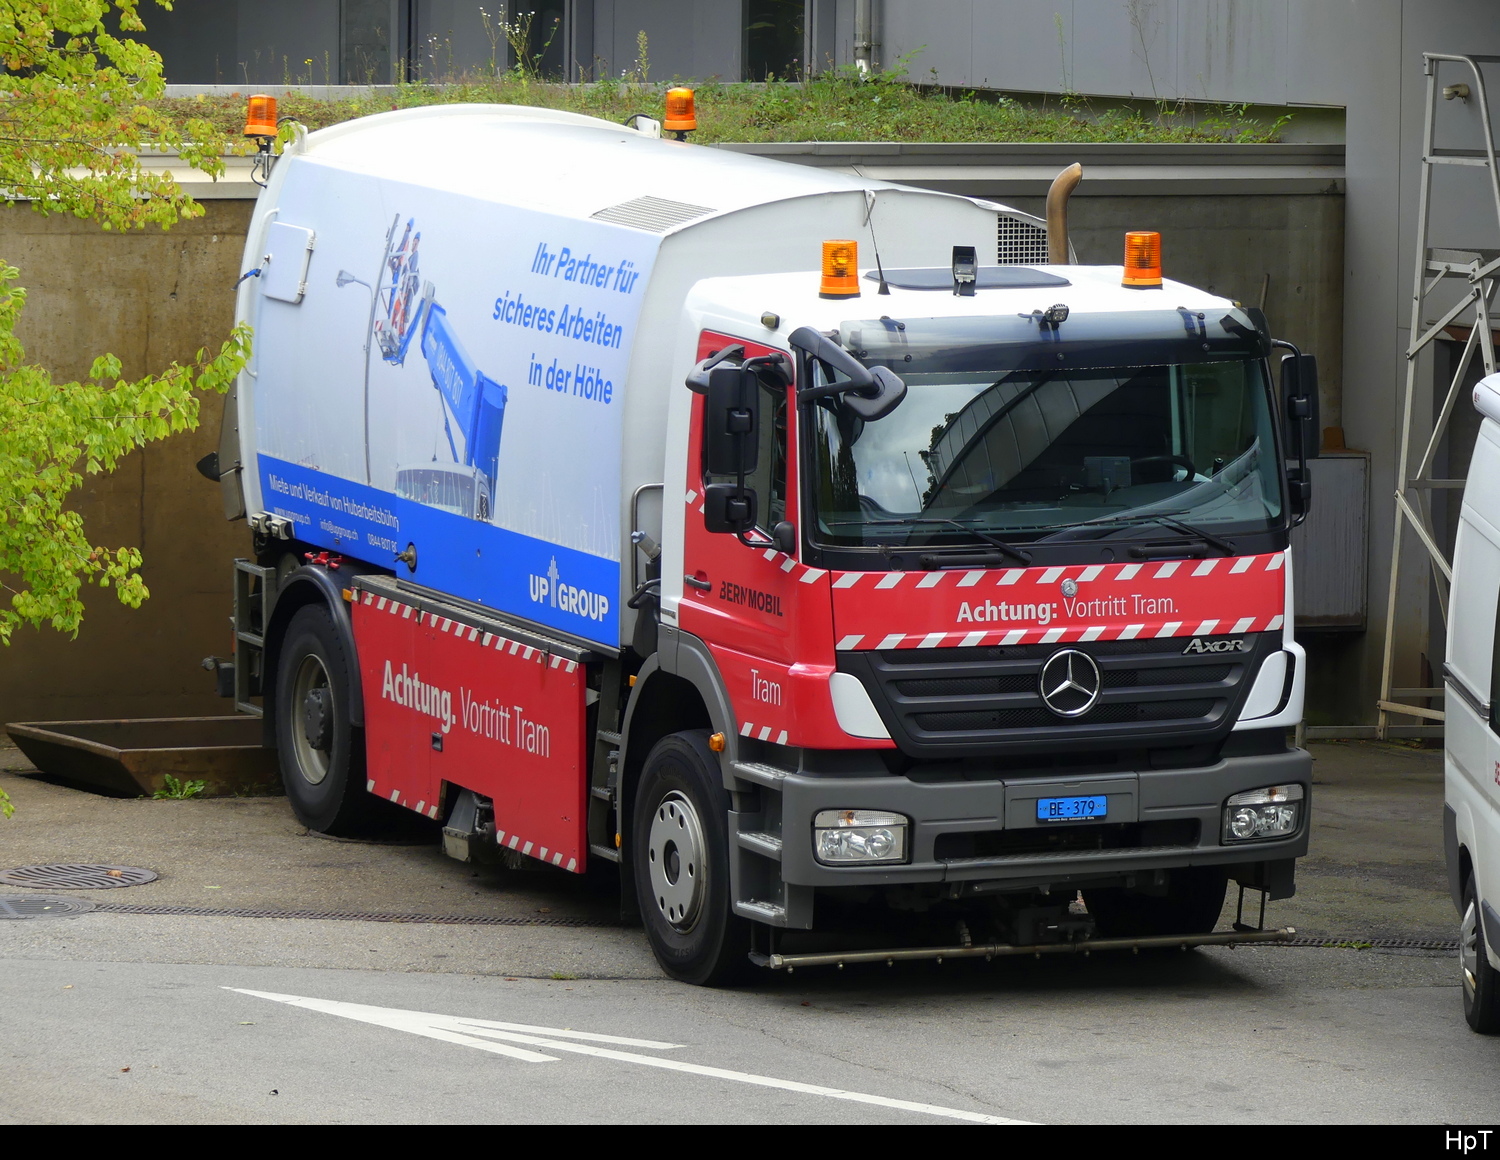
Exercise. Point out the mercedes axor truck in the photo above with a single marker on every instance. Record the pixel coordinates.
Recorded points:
(814, 548)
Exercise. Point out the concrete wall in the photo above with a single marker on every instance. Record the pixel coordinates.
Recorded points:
(150, 298)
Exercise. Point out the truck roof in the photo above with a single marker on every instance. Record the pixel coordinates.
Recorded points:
(1088, 289)
(590, 168)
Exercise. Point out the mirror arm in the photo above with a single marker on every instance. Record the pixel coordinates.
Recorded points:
(697, 380)
(819, 346)
(775, 366)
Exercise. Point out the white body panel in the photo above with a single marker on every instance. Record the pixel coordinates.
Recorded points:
(1472, 747)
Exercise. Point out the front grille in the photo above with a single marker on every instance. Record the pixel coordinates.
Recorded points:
(1065, 839)
(947, 702)
(1040, 718)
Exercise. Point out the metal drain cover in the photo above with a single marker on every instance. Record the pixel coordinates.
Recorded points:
(76, 876)
(39, 906)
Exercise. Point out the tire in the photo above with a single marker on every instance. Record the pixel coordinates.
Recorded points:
(679, 856)
(1194, 899)
(322, 755)
(1481, 982)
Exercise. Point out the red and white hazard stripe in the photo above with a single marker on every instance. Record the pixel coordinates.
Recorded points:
(762, 732)
(421, 807)
(480, 637)
(533, 850)
(1101, 573)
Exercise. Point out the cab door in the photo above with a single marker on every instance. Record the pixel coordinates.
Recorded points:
(741, 592)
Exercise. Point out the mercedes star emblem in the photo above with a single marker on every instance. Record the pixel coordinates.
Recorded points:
(1070, 683)
(1070, 587)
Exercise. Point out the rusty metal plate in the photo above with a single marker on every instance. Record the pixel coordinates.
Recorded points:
(76, 876)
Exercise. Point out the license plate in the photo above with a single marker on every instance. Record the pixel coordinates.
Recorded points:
(1071, 809)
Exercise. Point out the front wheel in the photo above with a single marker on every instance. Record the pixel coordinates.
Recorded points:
(322, 754)
(680, 859)
(1480, 980)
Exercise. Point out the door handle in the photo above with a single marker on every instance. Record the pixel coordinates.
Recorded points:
(701, 585)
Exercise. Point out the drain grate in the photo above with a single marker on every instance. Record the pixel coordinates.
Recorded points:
(349, 916)
(1356, 942)
(76, 876)
(39, 906)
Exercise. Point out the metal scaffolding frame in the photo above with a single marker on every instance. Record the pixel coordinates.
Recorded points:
(1432, 287)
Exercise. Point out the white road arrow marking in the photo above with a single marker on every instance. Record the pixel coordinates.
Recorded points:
(465, 1031)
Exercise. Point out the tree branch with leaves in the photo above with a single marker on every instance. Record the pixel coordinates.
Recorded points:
(74, 120)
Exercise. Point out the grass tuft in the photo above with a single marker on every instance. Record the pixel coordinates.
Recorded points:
(840, 106)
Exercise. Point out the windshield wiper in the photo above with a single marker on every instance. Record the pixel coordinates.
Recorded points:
(911, 521)
(1167, 519)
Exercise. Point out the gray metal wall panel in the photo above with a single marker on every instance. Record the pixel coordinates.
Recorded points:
(452, 39)
(702, 40)
(1328, 551)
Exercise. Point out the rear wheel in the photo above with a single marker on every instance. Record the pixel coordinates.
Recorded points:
(680, 859)
(322, 755)
(1481, 982)
(1191, 905)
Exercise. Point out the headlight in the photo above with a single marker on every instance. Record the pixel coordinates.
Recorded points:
(844, 837)
(1273, 812)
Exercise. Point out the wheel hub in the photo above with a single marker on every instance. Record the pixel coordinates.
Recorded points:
(1468, 951)
(315, 723)
(675, 856)
(312, 745)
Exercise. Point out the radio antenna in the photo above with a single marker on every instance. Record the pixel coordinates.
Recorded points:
(874, 241)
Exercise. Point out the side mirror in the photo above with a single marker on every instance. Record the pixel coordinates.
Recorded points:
(731, 411)
(878, 400)
(1299, 397)
(728, 507)
(1299, 400)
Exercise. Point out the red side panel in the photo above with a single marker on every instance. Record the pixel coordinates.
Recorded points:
(446, 702)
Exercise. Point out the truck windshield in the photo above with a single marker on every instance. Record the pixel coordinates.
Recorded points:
(1043, 453)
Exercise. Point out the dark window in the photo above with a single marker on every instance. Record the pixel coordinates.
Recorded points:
(369, 37)
(546, 40)
(769, 478)
(773, 39)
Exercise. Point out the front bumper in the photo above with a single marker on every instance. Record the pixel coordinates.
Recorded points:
(1185, 805)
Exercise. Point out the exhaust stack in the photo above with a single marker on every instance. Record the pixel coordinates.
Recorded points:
(1063, 185)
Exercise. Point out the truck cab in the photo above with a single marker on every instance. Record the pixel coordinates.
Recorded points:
(1002, 601)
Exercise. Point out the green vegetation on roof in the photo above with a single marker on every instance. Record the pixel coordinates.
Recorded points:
(838, 107)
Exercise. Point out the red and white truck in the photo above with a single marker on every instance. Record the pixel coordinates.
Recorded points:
(803, 543)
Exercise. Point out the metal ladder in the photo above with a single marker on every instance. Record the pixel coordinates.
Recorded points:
(1432, 290)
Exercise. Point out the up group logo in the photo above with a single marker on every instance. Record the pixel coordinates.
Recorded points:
(554, 592)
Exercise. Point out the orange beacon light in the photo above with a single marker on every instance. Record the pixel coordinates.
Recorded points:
(840, 270)
(1142, 260)
(680, 118)
(260, 117)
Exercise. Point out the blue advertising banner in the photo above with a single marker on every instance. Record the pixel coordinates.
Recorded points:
(454, 378)
(562, 588)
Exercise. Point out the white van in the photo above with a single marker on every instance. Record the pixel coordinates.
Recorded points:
(1471, 809)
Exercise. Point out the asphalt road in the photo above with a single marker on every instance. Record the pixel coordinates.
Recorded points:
(438, 1023)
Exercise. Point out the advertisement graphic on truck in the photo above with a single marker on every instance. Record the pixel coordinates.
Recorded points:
(523, 331)
(945, 596)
